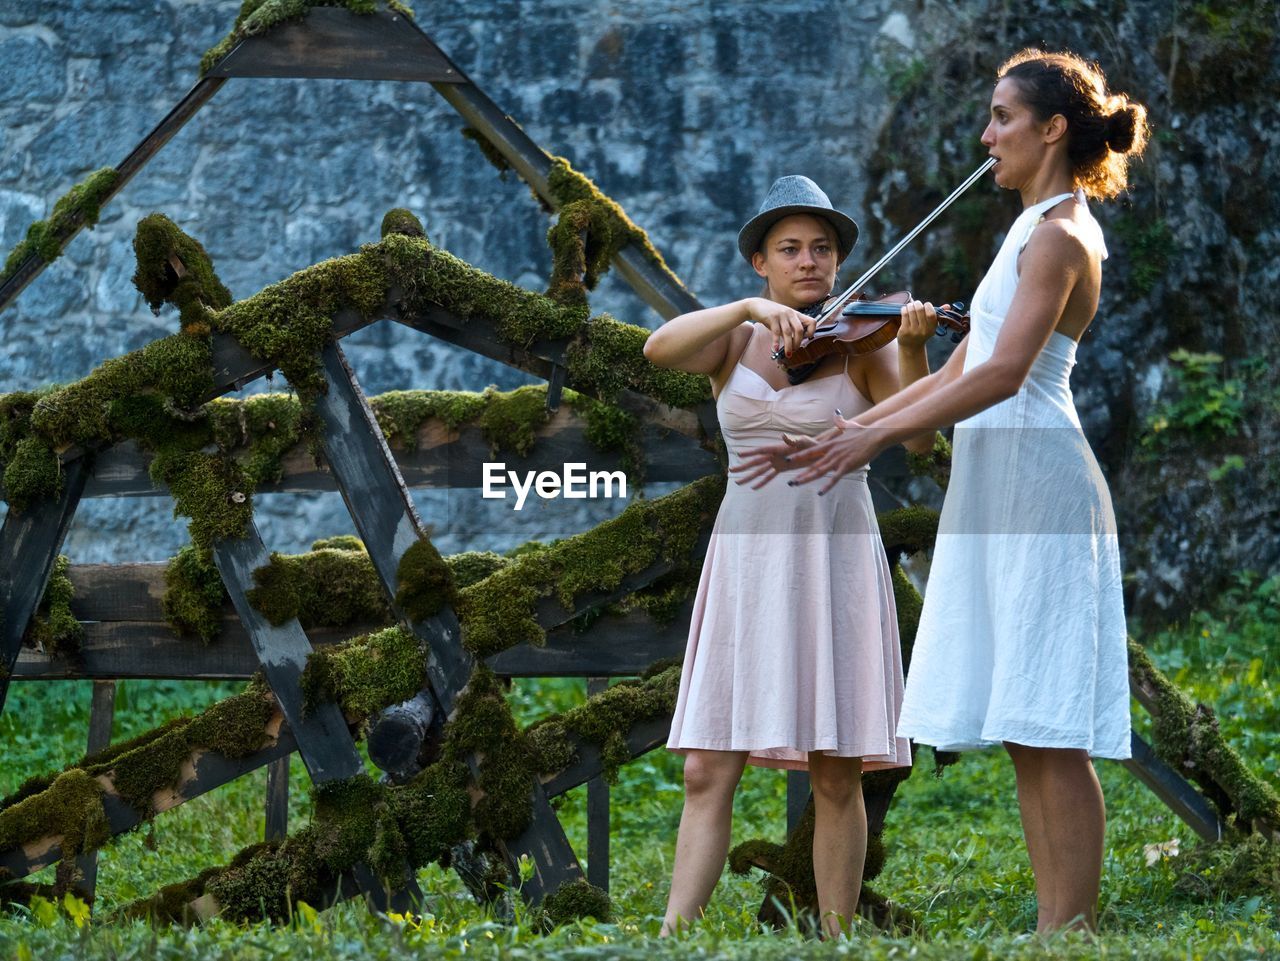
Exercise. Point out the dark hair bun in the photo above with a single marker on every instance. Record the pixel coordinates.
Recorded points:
(1123, 126)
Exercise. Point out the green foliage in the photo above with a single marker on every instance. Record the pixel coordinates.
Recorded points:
(509, 420)
(1206, 404)
(401, 413)
(582, 243)
(79, 205)
(32, 472)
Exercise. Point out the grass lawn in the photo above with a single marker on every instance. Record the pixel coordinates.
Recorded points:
(955, 846)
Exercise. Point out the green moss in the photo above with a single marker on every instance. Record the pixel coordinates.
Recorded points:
(609, 428)
(399, 220)
(401, 413)
(575, 900)
(366, 674)
(582, 242)
(1186, 737)
(322, 588)
(258, 16)
(258, 431)
(609, 357)
(491, 153)
(71, 807)
(31, 474)
(936, 465)
(567, 185)
(194, 595)
(55, 628)
(258, 888)
(510, 420)
(79, 205)
(501, 611)
(157, 242)
(339, 542)
(210, 490)
(907, 530)
(909, 604)
(424, 582)
(433, 811)
(471, 567)
(430, 276)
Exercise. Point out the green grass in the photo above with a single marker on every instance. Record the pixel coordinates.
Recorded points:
(955, 846)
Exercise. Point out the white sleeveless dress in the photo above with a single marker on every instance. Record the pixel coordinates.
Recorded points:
(1022, 637)
(793, 642)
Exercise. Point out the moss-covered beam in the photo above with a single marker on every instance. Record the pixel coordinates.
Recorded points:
(256, 17)
(78, 206)
(502, 610)
(936, 464)
(1186, 737)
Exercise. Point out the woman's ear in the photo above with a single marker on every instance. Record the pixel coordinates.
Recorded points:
(757, 262)
(1055, 128)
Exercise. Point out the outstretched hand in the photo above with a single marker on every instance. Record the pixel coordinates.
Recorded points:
(761, 465)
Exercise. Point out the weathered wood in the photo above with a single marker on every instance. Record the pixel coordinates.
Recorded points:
(797, 797)
(547, 848)
(29, 545)
(643, 737)
(205, 772)
(333, 43)
(102, 712)
(598, 813)
(185, 109)
(397, 738)
(384, 515)
(1174, 791)
(277, 806)
(442, 458)
(324, 742)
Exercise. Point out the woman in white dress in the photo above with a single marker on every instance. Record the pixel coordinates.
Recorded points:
(1022, 637)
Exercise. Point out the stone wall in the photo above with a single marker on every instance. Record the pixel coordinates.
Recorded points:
(684, 111)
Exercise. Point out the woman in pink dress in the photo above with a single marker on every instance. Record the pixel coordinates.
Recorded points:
(814, 685)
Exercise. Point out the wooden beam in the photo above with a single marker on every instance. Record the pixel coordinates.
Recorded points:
(1174, 791)
(333, 43)
(29, 545)
(102, 712)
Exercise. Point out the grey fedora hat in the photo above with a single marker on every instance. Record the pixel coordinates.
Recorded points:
(795, 195)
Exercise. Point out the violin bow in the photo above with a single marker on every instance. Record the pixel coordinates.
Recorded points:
(829, 314)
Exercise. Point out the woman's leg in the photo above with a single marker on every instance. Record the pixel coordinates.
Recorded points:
(839, 838)
(1069, 821)
(710, 778)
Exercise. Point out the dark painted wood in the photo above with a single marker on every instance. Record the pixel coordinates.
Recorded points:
(544, 842)
(324, 742)
(643, 737)
(598, 813)
(442, 459)
(185, 109)
(384, 515)
(397, 736)
(333, 43)
(102, 712)
(1178, 794)
(797, 797)
(29, 545)
(277, 806)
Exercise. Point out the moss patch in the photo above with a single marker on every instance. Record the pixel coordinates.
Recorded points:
(907, 530)
(323, 588)
(609, 358)
(399, 220)
(936, 465)
(424, 582)
(79, 205)
(157, 243)
(54, 628)
(71, 807)
(581, 243)
(194, 594)
(1231, 869)
(366, 674)
(491, 153)
(573, 901)
(501, 611)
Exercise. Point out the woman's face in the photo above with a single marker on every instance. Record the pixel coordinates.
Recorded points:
(1014, 137)
(798, 259)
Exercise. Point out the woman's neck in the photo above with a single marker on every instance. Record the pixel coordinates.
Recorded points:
(1050, 180)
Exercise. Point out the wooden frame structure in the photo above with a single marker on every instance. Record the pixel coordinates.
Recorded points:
(119, 604)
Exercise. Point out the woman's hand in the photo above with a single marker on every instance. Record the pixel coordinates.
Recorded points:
(919, 322)
(845, 447)
(789, 327)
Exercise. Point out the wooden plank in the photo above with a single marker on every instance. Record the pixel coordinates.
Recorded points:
(102, 712)
(277, 806)
(333, 43)
(1174, 791)
(643, 737)
(384, 515)
(798, 796)
(324, 742)
(209, 771)
(29, 545)
(598, 813)
(163, 132)
(442, 458)
(548, 849)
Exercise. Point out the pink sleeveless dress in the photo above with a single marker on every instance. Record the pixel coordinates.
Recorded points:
(793, 643)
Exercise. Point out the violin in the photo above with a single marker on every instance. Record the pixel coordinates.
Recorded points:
(864, 325)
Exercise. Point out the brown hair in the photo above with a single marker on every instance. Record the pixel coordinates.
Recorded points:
(1103, 129)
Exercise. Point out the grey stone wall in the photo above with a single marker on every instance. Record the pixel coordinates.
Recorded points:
(682, 110)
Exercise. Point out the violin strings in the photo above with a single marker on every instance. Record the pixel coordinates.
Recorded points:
(857, 285)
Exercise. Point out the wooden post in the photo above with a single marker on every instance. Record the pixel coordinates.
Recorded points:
(597, 814)
(277, 807)
(797, 797)
(102, 713)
